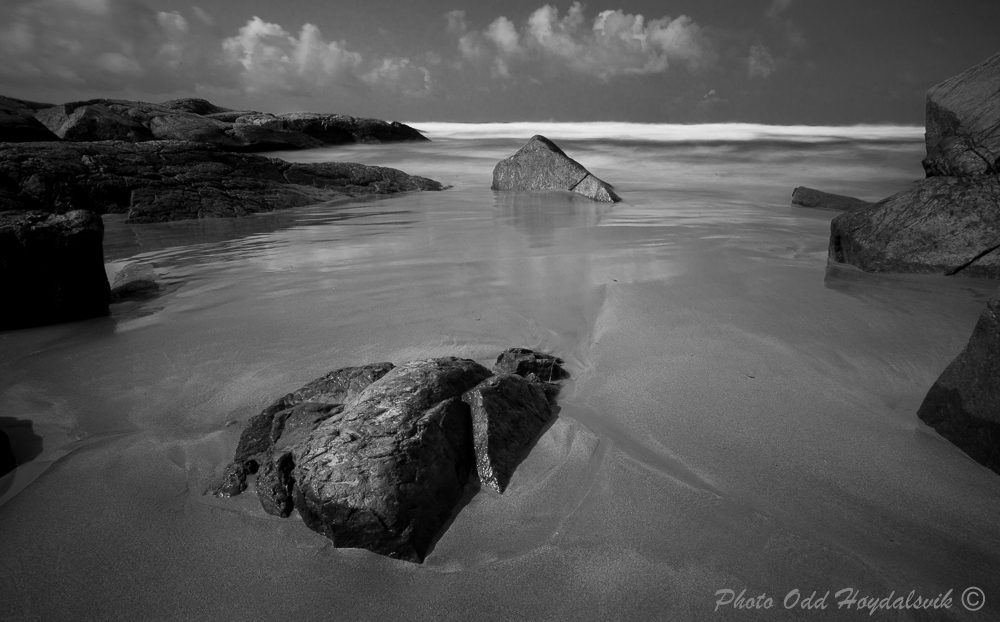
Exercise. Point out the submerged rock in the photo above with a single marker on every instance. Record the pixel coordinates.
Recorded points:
(170, 180)
(807, 197)
(378, 457)
(51, 268)
(136, 281)
(541, 165)
(508, 413)
(948, 223)
(964, 404)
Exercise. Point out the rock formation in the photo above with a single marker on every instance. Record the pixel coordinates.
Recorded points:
(197, 120)
(964, 404)
(378, 457)
(807, 197)
(172, 180)
(51, 268)
(541, 165)
(18, 123)
(948, 223)
(8, 462)
(136, 281)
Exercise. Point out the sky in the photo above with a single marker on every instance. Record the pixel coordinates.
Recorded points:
(820, 62)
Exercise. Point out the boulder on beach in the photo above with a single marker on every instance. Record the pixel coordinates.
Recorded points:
(378, 457)
(18, 123)
(948, 223)
(963, 123)
(172, 180)
(541, 165)
(8, 462)
(807, 197)
(136, 281)
(51, 268)
(964, 404)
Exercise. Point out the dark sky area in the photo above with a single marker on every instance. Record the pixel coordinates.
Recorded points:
(770, 61)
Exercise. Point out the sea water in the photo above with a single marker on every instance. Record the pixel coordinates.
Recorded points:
(741, 418)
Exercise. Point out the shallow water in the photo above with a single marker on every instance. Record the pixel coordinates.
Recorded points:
(742, 416)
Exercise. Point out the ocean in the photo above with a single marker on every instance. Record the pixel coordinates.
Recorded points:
(741, 418)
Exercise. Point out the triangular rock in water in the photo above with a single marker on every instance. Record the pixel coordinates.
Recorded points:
(541, 165)
(508, 412)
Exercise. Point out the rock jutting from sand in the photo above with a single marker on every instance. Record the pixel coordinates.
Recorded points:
(963, 405)
(378, 457)
(51, 268)
(948, 223)
(136, 281)
(541, 165)
(807, 197)
(175, 180)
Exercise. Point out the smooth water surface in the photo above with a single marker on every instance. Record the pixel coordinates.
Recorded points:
(742, 416)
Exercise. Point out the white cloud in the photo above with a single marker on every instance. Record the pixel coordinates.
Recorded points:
(456, 22)
(760, 62)
(614, 43)
(400, 74)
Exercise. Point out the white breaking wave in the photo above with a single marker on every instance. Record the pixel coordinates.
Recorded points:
(661, 132)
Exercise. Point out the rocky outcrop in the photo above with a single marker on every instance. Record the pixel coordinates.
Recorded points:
(378, 457)
(541, 165)
(948, 223)
(171, 180)
(943, 225)
(963, 123)
(200, 121)
(51, 268)
(807, 197)
(964, 404)
(8, 462)
(136, 281)
(18, 123)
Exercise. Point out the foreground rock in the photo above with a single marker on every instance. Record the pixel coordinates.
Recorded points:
(807, 197)
(197, 120)
(378, 457)
(541, 165)
(964, 404)
(947, 223)
(963, 123)
(51, 268)
(8, 462)
(136, 281)
(171, 180)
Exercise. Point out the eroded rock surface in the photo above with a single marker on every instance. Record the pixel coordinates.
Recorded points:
(541, 165)
(136, 281)
(964, 404)
(378, 457)
(808, 197)
(18, 123)
(172, 180)
(51, 268)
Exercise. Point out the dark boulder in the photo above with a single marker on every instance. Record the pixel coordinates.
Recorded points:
(170, 180)
(522, 361)
(807, 197)
(51, 268)
(964, 404)
(948, 223)
(508, 413)
(541, 165)
(18, 123)
(388, 474)
(963, 123)
(96, 121)
(7, 460)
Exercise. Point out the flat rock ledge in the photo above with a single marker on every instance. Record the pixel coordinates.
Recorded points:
(161, 181)
(964, 404)
(948, 223)
(541, 165)
(379, 456)
(808, 197)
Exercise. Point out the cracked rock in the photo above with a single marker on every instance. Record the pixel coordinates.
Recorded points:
(541, 165)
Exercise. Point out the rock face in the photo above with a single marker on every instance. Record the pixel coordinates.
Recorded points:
(541, 165)
(171, 180)
(948, 223)
(18, 123)
(7, 460)
(964, 404)
(51, 268)
(963, 123)
(807, 197)
(200, 121)
(378, 457)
